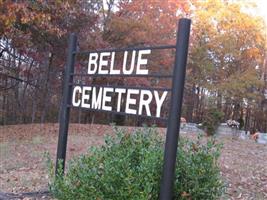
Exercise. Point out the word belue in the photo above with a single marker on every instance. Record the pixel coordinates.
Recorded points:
(130, 101)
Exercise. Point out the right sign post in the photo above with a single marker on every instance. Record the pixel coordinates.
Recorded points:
(172, 136)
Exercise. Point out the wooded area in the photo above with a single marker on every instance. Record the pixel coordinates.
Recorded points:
(227, 63)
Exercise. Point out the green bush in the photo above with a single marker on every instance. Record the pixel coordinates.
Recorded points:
(212, 120)
(129, 166)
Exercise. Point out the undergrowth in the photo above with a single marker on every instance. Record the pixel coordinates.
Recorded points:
(129, 166)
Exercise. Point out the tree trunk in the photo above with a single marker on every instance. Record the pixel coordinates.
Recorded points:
(34, 105)
(47, 89)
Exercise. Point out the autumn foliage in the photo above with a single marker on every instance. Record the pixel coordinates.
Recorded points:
(226, 66)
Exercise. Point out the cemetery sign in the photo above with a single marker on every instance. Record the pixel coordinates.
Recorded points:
(129, 100)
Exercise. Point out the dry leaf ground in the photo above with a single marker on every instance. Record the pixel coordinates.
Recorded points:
(22, 165)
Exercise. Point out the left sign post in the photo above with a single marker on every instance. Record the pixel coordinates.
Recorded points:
(65, 102)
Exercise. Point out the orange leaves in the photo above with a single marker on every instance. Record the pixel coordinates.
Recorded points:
(144, 23)
(156, 19)
(227, 44)
(254, 53)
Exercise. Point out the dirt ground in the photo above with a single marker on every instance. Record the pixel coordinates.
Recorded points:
(22, 164)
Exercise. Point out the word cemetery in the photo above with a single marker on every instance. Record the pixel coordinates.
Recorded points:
(100, 97)
(124, 100)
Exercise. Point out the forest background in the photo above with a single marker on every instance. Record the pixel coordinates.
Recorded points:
(227, 63)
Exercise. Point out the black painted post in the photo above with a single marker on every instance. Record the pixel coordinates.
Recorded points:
(64, 109)
(171, 143)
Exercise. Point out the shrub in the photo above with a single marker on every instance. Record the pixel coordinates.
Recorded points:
(129, 166)
(212, 120)
(197, 172)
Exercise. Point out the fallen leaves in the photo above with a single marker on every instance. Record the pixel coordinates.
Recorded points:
(243, 163)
